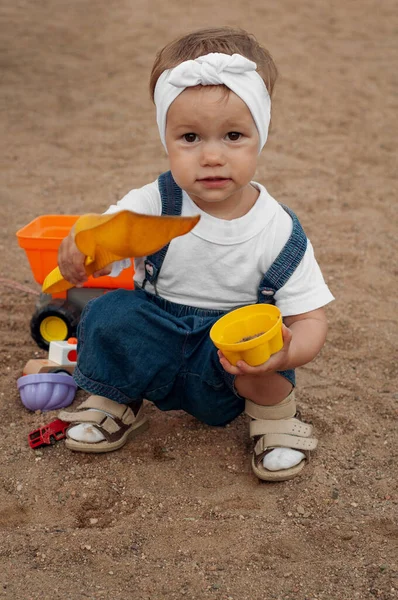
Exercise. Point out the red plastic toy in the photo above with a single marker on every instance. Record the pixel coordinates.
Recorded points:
(48, 434)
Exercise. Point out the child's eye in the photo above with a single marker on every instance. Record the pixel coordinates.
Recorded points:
(190, 137)
(234, 136)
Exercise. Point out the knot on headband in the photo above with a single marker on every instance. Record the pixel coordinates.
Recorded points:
(236, 72)
(209, 69)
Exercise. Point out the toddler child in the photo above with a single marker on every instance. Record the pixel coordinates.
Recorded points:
(212, 91)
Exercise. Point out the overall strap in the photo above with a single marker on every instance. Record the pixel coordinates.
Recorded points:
(285, 263)
(171, 196)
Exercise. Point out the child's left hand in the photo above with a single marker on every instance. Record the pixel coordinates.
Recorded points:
(277, 362)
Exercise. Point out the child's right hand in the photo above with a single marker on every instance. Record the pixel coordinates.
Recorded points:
(71, 261)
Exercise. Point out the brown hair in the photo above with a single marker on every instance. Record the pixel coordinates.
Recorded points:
(227, 40)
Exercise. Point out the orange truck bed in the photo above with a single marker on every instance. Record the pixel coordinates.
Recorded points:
(41, 238)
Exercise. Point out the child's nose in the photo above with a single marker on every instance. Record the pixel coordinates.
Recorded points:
(212, 155)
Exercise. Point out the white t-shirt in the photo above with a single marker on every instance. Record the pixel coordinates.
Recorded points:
(219, 264)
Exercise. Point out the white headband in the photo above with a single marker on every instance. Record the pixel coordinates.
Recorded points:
(236, 72)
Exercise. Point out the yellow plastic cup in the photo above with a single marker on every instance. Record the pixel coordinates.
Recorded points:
(251, 333)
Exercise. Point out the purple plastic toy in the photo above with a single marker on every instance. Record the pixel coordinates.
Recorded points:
(46, 391)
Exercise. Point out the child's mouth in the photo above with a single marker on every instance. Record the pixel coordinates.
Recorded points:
(214, 182)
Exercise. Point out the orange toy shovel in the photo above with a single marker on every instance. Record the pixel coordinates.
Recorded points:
(104, 239)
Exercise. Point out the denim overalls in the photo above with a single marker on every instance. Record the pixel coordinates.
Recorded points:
(134, 344)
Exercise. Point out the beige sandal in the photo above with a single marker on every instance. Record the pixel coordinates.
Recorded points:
(116, 422)
(275, 427)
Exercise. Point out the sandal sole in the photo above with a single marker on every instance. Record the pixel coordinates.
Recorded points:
(282, 475)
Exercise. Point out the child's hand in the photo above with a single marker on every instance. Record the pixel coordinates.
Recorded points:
(105, 271)
(276, 362)
(71, 261)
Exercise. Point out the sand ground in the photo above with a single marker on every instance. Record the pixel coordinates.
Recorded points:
(178, 513)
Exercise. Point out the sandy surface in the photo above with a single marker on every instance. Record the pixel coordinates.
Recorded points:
(178, 513)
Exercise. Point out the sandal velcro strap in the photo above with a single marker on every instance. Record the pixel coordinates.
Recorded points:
(283, 410)
(281, 440)
(100, 403)
(102, 413)
(93, 417)
(287, 426)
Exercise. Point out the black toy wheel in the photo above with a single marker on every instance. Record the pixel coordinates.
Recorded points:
(54, 321)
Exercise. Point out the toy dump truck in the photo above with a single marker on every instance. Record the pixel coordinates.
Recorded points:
(56, 316)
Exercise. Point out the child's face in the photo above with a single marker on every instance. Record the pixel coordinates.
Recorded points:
(212, 142)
